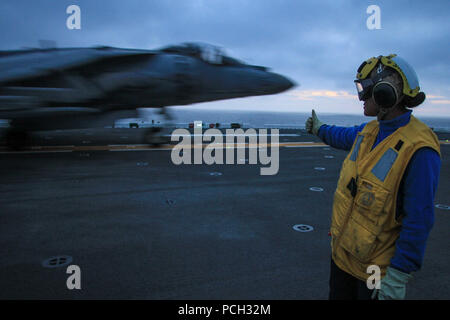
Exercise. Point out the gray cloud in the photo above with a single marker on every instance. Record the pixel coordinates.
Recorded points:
(317, 43)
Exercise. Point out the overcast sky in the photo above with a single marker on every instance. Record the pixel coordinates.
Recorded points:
(318, 44)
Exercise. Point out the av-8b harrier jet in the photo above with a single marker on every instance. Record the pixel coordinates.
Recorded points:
(46, 89)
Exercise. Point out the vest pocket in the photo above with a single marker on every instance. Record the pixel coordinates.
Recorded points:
(370, 199)
(359, 240)
(365, 223)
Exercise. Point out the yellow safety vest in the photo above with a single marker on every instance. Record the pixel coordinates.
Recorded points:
(364, 228)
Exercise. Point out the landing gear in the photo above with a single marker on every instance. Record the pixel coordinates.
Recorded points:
(156, 136)
(163, 111)
(17, 139)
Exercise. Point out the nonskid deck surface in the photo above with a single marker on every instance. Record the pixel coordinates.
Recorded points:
(140, 227)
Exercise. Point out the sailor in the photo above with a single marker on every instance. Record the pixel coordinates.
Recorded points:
(383, 204)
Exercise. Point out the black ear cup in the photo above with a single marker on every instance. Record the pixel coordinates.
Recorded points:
(384, 95)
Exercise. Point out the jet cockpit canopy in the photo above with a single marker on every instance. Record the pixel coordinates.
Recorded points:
(207, 52)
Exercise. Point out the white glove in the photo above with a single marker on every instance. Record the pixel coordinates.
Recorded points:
(393, 285)
(313, 124)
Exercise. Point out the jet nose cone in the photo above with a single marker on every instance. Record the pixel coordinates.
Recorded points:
(285, 83)
(279, 83)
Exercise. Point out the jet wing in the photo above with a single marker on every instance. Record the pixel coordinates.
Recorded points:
(28, 64)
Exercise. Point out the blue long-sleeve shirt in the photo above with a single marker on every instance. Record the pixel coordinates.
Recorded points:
(416, 193)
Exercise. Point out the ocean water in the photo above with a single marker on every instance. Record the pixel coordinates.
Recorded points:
(281, 119)
(263, 119)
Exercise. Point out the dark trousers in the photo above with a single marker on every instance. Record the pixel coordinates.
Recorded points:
(344, 286)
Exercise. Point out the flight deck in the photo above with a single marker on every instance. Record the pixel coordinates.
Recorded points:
(140, 227)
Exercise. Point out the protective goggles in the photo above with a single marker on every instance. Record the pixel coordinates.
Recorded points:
(364, 86)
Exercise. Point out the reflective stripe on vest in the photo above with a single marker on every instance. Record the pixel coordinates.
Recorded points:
(356, 148)
(384, 165)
